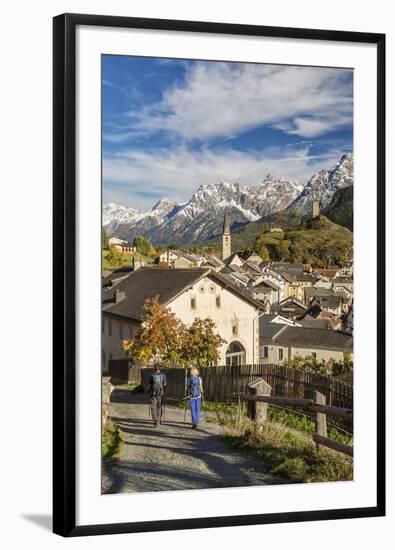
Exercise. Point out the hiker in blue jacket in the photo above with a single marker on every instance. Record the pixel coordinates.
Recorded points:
(195, 390)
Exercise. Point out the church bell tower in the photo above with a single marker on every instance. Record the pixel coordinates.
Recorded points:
(226, 238)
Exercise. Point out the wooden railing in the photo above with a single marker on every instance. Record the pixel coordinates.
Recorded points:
(259, 397)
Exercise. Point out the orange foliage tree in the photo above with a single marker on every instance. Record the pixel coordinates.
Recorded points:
(165, 338)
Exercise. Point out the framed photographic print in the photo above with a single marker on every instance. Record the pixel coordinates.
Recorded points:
(218, 278)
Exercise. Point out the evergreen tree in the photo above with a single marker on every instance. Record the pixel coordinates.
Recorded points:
(104, 239)
(144, 246)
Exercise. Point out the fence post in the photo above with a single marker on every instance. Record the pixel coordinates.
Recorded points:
(107, 389)
(320, 418)
(256, 409)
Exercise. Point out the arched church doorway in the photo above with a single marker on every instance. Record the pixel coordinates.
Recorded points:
(235, 354)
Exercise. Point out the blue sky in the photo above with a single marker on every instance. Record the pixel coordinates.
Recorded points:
(171, 125)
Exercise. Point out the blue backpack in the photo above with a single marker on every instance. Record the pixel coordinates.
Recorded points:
(157, 387)
(194, 386)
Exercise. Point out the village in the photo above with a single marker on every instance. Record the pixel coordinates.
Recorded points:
(265, 311)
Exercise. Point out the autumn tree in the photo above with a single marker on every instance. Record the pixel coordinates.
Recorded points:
(158, 337)
(200, 344)
(165, 338)
(113, 258)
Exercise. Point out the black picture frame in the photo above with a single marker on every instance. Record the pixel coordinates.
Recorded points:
(64, 272)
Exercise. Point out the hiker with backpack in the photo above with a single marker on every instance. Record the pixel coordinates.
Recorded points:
(157, 384)
(195, 390)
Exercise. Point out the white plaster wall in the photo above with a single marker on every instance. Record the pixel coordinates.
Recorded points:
(322, 354)
(232, 308)
(111, 343)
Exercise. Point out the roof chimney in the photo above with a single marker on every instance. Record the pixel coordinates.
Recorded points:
(119, 296)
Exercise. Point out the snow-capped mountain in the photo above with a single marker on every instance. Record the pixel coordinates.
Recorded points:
(202, 216)
(115, 215)
(324, 184)
(122, 220)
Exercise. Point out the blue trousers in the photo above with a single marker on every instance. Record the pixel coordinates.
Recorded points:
(195, 410)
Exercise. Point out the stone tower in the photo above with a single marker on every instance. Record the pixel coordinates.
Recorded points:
(226, 239)
(315, 206)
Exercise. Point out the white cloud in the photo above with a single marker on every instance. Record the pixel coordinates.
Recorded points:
(139, 178)
(226, 99)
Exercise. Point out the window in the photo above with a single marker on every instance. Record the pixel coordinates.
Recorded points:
(193, 303)
(280, 354)
(235, 329)
(265, 352)
(110, 357)
(218, 301)
(109, 327)
(131, 332)
(121, 331)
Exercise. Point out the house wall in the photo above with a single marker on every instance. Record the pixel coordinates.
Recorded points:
(232, 310)
(273, 354)
(290, 352)
(167, 257)
(296, 289)
(181, 262)
(113, 332)
(322, 354)
(323, 284)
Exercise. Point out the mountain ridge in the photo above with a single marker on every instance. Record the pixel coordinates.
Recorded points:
(200, 218)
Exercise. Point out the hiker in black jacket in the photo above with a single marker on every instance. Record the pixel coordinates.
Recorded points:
(157, 384)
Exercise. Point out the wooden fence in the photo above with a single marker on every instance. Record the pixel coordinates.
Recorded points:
(225, 383)
(123, 370)
(260, 395)
(175, 377)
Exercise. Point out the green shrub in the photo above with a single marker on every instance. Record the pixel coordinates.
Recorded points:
(294, 469)
(111, 440)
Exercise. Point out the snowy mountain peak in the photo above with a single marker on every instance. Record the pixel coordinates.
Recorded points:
(201, 217)
(325, 183)
(164, 204)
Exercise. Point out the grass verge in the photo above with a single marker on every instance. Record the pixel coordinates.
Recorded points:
(304, 423)
(287, 454)
(111, 441)
(134, 387)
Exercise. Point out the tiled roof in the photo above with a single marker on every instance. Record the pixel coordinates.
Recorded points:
(147, 283)
(301, 337)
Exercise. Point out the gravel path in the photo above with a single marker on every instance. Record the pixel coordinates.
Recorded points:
(173, 456)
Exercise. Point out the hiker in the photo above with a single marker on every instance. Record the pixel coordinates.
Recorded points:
(157, 384)
(195, 390)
